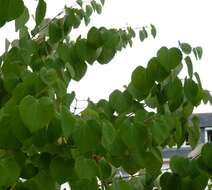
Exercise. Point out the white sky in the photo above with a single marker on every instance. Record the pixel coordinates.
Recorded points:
(185, 20)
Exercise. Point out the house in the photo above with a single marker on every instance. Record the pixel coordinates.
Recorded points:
(185, 150)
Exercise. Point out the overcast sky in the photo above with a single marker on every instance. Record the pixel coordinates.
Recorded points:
(184, 20)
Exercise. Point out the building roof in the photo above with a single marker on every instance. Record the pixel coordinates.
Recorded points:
(205, 119)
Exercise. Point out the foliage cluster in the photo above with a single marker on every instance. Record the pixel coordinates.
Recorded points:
(43, 144)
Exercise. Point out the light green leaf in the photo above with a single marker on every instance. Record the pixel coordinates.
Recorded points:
(49, 77)
(36, 113)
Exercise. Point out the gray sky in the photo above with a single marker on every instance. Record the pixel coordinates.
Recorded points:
(188, 21)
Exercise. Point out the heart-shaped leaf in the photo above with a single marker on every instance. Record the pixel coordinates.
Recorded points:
(36, 113)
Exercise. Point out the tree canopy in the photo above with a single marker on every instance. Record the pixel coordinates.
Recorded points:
(43, 144)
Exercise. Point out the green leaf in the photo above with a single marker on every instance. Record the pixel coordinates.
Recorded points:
(85, 184)
(40, 12)
(142, 35)
(55, 32)
(179, 165)
(105, 169)
(36, 113)
(98, 8)
(68, 122)
(63, 51)
(175, 94)
(198, 79)
(86, 168)
(121, 185)
(141, 81)
(9, 171)
(185, 47)
(153, 30)
(79, 2)
(49, 77)
(62, 170)
(108, 135)
(102, 2)
(169, 58)
(206, 155)
(88, 10)
(106, 55)
(170, 181)
(119, 102)
(87, 137)
(22, 20)
(94, 37)
(161, 129)
(189, 66)
(199, 51)
(191, 90)
(153, 163)
(7, 8)
(155, 71)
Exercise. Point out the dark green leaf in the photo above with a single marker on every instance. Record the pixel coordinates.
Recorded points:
(40, 12)
(155, 71)
(185, 47)
(87, 136)
(68, 122)
(106, 55)
(179, 165)
(22, 20)
(55, 32)
(94, 37)
(62, 170)
(142, 35)
(141, 81)
(169, 58)
(206, 154)
(7, 8)
(9, 171)
(153, 30)
(86, 168)
(189, 66)
(89, 10)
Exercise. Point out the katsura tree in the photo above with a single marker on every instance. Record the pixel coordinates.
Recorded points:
(43, 144)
